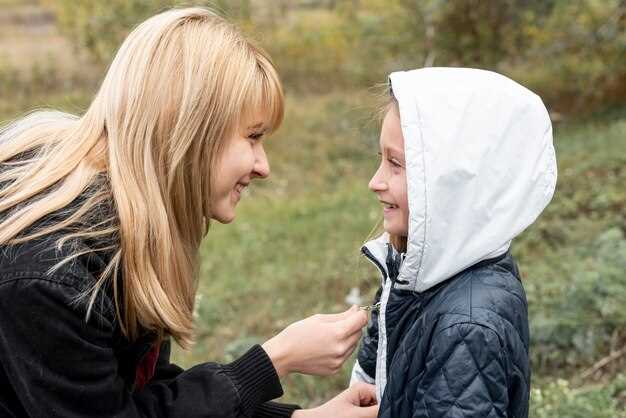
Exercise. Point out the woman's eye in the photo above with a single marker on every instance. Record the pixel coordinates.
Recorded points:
(255, 136)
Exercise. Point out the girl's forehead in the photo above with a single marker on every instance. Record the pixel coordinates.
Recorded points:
(391, 133)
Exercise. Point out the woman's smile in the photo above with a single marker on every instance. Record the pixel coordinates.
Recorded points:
(238, 190)
(242, 161)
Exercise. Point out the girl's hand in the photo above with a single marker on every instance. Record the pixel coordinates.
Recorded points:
(357, 401)
(317, 345)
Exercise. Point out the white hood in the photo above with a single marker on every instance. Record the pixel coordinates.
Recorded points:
(480, 167)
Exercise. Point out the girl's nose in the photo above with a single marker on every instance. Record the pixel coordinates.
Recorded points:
(261, 164)
(377, 183)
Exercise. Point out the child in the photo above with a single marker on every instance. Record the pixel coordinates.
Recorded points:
(467, 164)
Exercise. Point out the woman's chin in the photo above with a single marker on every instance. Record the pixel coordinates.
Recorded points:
(223, 215)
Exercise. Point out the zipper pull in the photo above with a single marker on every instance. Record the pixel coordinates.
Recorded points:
(371, 307)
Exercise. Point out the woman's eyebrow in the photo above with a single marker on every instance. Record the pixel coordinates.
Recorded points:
(256, 126)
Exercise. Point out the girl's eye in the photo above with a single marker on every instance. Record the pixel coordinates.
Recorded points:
(394, 163)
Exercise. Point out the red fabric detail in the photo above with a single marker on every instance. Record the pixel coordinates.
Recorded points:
(146, 366)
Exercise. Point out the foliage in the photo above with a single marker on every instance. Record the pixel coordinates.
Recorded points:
(42, 86)
(570, 52)
(580, 321)
(575, 54)
(560, 399)
(576, 293)
(100, 26)
(321, 47)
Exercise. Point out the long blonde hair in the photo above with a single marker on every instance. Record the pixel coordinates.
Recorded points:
(181, 83)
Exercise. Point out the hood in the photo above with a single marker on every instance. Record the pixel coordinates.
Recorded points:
(480, 167)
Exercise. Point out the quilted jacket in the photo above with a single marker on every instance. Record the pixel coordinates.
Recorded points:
(451, 335)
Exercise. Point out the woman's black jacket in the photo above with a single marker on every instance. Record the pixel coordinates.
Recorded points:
(54, 363)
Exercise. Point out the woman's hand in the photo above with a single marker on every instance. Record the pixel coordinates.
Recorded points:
(317, 345)
(357, 401)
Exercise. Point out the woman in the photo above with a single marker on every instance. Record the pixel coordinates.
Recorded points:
(102, 218)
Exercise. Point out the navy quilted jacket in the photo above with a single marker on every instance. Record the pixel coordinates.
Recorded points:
(459, 349)
(451, 336)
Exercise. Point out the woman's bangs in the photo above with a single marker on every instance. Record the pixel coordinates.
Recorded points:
(264, 100)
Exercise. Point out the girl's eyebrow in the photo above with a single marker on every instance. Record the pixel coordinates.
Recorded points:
(395, 151)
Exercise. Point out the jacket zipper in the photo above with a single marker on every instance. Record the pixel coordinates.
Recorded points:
(368, 254)
(381, 352)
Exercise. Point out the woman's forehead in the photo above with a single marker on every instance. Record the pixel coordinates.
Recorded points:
(256, 125)
(257, 119)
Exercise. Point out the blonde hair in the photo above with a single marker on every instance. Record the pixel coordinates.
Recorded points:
(181, 83)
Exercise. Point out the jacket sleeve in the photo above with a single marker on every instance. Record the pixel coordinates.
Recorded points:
(274, 410)
(165, 370)
(465, 375)
(59, 365)
(364, 369)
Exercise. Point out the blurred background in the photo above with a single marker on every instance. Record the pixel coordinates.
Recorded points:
(294, 249)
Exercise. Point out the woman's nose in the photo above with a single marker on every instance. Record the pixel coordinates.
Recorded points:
(261, 164)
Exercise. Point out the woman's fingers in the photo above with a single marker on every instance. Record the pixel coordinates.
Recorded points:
(352, 343)
(317, 345)
(338, 316)
(350, 331)
(353, 323)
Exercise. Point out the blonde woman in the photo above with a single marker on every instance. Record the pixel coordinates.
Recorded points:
(101, 217)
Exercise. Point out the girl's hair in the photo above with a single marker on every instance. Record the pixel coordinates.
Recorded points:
(181, 84)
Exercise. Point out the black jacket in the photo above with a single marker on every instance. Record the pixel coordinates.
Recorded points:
(458, 349)
(53, 363)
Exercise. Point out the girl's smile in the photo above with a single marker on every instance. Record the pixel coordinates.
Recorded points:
(388, 207)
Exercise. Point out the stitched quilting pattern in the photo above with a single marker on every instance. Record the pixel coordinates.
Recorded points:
(464, 360)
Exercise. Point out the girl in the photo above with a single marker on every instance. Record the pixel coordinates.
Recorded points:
(101, 217)
(467, 164)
